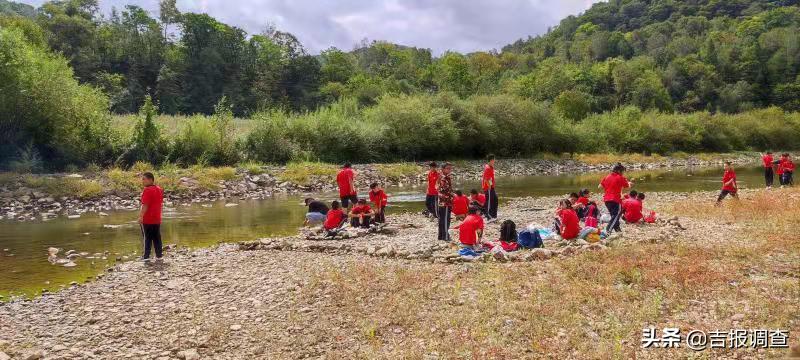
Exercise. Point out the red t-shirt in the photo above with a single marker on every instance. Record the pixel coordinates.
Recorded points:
(378, 198)
(467, 229)
(153, 197)
(728, 176)
(583, 200)
(488, 177)
(767, 159)
(460, 205)
(633, 210)
(361, 209)
(344, 178)
(333, 219)
(433, 178)
(508, 246)
(786, 165)
(480, 199)
(613, 185)
(570, 225)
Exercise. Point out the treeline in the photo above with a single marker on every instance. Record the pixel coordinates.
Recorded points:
(626, 76)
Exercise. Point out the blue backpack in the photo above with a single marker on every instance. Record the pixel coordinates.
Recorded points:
(529, 239)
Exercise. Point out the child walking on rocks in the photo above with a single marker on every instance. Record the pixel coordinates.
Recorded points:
(150, 216)
(729, 186)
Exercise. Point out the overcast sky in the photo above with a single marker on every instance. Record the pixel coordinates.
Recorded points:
(461, 25)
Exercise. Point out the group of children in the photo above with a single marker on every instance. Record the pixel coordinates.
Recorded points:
(783, 167)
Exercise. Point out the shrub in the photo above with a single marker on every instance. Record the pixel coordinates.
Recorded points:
(195, 143)
(523, 126)
(268, 142)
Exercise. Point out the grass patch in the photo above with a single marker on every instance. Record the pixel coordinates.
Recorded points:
(599, 159)
(59, 187)
(253, 167)
(398, 171)
(7, 178)
(305, 172)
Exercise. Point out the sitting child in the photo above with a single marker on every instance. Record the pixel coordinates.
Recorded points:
(569, 224)
(632, 208)
(470, 231)
(361, 214)
(576, 205)
(583, 199)
(591, 215)
(334, 219)
(316, 212)
(508, 237)
(460, 205)
(479, 198)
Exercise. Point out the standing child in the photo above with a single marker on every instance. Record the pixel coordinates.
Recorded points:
(729, 186)
(361, 214)
(460, 205)
(379, 199)
(613, 185)
(346, 179)
(487, 184)
(444, 187)
(150, 216)
(432, 194)
(470, 230)
(769, 172)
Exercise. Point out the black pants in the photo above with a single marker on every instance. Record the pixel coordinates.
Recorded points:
(380, 215)
(152, 238)
(361, 222)
(769, 176)
(615, 211)
(444, 222)
(787, 178)
(491, 203)
(347, 199)
(724, 193)
(430, 204)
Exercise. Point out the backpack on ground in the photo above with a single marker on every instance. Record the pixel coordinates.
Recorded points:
(529, 239)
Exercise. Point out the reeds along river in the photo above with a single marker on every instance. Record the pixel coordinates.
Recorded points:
(25, 270)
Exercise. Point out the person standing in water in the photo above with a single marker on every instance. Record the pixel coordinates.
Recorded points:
(613, 184)
(488, 183)
(150, 216)
(444, 188)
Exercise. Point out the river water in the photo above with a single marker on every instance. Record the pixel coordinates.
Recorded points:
(24, 269)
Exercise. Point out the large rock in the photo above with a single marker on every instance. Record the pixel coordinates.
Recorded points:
(190, 354)
(4, 356)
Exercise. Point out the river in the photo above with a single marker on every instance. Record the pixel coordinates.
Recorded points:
(25, 271)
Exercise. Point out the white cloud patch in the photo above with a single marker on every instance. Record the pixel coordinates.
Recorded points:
(461, 25)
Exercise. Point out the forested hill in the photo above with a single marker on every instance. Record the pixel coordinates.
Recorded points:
(12, 8)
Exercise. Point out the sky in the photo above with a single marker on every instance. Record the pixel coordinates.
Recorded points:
(441, 25)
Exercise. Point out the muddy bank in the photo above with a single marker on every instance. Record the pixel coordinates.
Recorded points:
(22, 203)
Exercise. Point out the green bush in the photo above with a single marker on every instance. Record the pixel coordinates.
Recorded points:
(195, 142)
(523, 126)
(268, 142)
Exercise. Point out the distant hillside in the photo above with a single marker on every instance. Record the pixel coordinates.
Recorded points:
(13, 8)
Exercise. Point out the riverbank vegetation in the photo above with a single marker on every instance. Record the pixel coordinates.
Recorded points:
(625, 76)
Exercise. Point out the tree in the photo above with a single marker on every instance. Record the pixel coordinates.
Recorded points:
(573, 105)
(168, 14)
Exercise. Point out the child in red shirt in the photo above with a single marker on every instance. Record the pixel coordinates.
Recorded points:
(361, 214)
(379, 199)
(150, 216)
(568, 223)
(508, 237)
(460, 205)
(786, 170)
(345, 179)
(470, 230)
(335, 217)
(478, 198)
(729, 186)
(633, 208)
(432, 195)
(613, 185)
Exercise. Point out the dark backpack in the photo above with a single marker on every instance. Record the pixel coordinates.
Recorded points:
(529, 239)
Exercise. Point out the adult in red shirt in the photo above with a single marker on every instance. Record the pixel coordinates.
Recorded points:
(769, 172)
(613, 184)
(379, 199)
(460, 205)
(633, 209)
(150, 216)
(471, 230)
(346, 179)
(569, 225)
(487, 184)
(729, 186)
(431, 196)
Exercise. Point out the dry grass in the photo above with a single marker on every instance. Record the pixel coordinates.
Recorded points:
(593, 305)
(598, 159)
(305, 172)
(399, 170)
(59, 186)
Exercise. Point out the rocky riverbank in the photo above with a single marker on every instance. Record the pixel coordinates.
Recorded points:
(260, 300)
(20, 202)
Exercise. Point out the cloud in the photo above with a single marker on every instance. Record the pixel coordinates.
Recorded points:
(460, 25)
